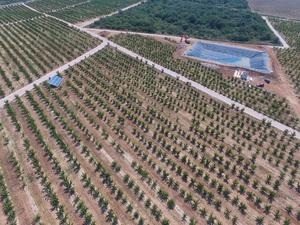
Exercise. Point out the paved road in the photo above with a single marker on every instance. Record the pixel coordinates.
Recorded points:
(281, 39)
(30, 86)
(91, 21)
(171, 73)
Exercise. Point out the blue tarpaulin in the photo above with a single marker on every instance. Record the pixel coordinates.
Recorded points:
(247, 58)
(55, 81)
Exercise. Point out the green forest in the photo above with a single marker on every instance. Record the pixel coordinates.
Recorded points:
(210, 19)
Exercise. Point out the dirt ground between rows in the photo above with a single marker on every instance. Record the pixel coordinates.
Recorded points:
(128, 150)
(32, 195)
(73, 102)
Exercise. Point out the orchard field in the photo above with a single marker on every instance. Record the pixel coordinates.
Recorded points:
(11, 14)
(80, 10)
(31, 48)
(121, 144)
(290, 58)
(259, 99)
(5, 2)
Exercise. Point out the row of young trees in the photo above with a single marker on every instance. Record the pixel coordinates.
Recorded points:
(256, 98)
(142, 196)
(6, 202)
(82, 10)
(130, 64)
(46, 44)
(10, 14)
(290, 58)
(177, 155)
(85, 179)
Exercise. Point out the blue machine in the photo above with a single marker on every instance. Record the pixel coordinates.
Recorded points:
(55, 81)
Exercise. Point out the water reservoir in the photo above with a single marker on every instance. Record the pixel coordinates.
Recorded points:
(228, 55)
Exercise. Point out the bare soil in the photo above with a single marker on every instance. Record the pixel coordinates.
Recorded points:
(281, 8)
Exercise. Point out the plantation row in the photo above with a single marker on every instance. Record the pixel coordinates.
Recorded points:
(15, 13)
(49, 5)
(5, 2)
(290, 30)
(120, 143)
(99, 192)
(80, 12)
(256, 98)
(30, 49)
(290, 58)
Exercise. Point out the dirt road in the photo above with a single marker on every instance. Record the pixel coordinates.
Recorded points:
(281, 39)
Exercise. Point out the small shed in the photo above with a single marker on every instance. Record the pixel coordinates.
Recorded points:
(55, 81)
